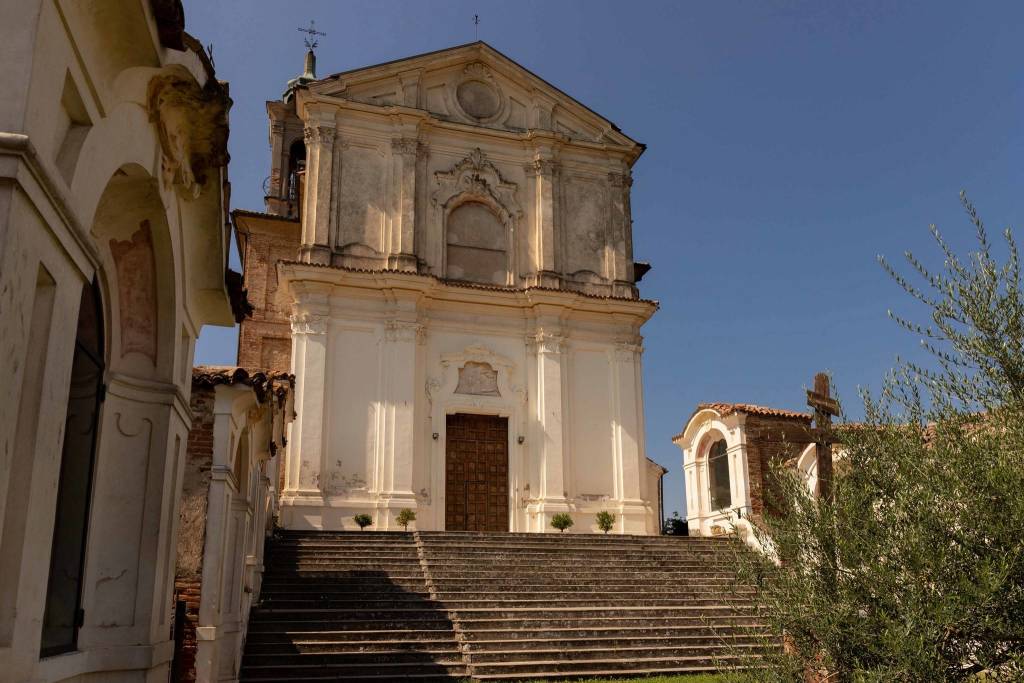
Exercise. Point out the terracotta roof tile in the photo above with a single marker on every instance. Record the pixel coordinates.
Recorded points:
(259, 379)
(725, 409)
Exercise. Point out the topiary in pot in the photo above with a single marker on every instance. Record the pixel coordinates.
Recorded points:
(562, 521)
(404, 517)
(363, 520)
(605, 521)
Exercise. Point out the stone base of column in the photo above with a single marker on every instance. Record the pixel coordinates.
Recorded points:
(407, 262)
(315, 253)
(623, 289)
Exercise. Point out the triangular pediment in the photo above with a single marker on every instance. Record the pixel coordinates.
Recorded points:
(473, 84)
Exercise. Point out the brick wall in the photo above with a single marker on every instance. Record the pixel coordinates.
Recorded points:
(264, 340)
(192, 528)
(187, 590)
(770, 440)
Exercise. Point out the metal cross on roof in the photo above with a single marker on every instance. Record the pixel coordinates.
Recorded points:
(311, 39)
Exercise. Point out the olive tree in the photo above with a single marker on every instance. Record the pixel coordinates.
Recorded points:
(914, 570)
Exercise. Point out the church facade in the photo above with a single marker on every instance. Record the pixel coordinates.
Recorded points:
(446, 266)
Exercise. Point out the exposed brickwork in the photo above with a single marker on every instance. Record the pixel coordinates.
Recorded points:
(264, 339)
(188, 590)
(770, 440)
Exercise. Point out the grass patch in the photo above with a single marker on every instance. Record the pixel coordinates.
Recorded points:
(693, 678)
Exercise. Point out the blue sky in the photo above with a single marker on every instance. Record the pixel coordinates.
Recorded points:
(789, 144)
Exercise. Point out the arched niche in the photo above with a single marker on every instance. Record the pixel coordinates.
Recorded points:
(130, 227)
(477, 239)
(473, 192)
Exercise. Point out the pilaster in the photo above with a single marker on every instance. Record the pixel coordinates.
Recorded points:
(548, 413)
(404, 154)
(401, 338)
(543, 173)
(621, 266)
(309, 364)
(316, 202)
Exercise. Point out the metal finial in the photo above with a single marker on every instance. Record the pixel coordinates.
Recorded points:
(476, 25)
(311, 39)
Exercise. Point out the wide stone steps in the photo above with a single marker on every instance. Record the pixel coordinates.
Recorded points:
(432, 606)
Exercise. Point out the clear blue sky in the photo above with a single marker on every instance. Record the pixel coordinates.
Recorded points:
(789, 143)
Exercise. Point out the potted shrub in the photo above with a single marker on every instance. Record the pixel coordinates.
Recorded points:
(363, 520)
(605, 521)
(404, 517)
(562, 521)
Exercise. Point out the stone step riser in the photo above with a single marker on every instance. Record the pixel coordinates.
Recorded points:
(354, 606)
(545, 653)
(499, 605)
(501, 640)
(497, 651)
(578, 666)
(374, 671)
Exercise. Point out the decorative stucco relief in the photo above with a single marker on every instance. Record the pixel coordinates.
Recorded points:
(478, 379)
(191, 124)
(476, 176)
(135, 264)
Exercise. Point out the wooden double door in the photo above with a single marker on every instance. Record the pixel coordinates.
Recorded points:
(476, 473)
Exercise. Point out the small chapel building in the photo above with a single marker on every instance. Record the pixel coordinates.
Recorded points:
(446, 265)
(729, 450)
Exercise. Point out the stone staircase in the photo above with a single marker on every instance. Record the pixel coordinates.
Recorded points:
(384, 606)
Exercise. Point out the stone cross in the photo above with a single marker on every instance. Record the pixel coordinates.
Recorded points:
(825, 407)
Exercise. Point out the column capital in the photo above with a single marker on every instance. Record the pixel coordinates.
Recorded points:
(404, 331)
(627, 350)
(323, 135)
(546, 342)
(406, 146)
(616, 179)
(541, 167)
(305, 322)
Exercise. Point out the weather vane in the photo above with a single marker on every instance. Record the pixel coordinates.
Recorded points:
(476, 25)
(311, 39)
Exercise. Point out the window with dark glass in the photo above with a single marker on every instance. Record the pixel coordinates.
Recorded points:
(63, 614)
(718, 470)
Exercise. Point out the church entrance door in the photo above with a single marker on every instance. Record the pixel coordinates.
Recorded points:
(476, 473)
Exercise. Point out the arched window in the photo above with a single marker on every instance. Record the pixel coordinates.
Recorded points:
(62, 616)
(718, 473)
(296, 166)
(476, 245)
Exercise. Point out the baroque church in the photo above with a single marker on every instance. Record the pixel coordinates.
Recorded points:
(445, 263)
(439, 312)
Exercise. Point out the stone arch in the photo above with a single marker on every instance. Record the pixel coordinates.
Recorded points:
(714, 451)
(807, 467)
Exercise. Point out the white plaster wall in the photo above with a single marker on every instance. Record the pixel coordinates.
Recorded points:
(703, 429)
(573, 398)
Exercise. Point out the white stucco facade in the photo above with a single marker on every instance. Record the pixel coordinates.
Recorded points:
(705, 428)
(106, 218)
(461, 254)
